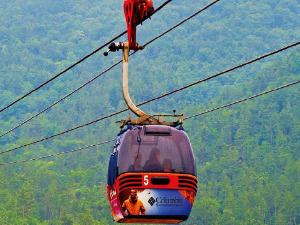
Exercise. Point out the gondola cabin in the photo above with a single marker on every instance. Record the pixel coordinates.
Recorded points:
(151, 175)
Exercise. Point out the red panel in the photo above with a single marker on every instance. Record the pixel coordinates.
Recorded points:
(143, 180)
(135, 11)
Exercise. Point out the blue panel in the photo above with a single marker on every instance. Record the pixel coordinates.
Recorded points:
(116, 167)
(110, 170)
(164, 202)
(108, 173)
(113, 168)
(161, 202)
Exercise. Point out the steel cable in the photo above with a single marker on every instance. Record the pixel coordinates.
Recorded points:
(161, 96)
(242, 100)
(57, 154)
(77, 89)
(149, 42)
(193, 116)
(80, 61)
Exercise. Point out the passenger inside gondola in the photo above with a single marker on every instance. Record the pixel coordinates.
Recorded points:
(153, 164)
(167, 164)
(136, 166)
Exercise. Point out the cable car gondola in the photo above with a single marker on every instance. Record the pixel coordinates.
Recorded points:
(152, 172)
(152, 175)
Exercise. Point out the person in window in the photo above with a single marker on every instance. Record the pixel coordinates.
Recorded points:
(133, 206)
(153, 164)
(167, 164)
(136, 166)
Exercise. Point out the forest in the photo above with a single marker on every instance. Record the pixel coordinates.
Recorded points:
(247, 155)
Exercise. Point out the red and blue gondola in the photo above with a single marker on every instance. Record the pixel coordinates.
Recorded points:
(156, 162)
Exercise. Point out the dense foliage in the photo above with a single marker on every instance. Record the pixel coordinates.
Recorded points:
(247, 155)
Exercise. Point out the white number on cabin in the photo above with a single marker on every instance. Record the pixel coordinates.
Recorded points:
(146, 181)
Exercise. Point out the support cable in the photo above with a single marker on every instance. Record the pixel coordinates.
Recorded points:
(199, 114)
(149, 42)
(55, 103)
(61, 73)
(242, 100)
(57, 154)
(183, 21)
(153, 99)
(80, 61)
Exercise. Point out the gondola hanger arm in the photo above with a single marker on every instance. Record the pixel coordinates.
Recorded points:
(135, 12)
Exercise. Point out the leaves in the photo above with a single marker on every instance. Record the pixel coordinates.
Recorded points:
(247, 155)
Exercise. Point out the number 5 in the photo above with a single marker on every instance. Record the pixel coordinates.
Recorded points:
(146, 181)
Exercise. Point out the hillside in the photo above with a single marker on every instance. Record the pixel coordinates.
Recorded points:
(247, 155)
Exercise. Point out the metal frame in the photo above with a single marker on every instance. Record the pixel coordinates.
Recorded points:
(144, 119)
(126, 96)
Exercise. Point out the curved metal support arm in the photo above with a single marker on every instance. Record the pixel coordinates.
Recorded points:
(127, 98)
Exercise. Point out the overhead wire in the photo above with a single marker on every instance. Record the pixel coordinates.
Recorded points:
(183, 21)
(190, 117)
(86, 83)
(117, 63)
(242, 100)
(156, 98)
(61, 73)
(57, 154)
(80, 61)
(55, 103)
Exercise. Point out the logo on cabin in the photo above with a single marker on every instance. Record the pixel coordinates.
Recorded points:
(151, 201)
(164, 201)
